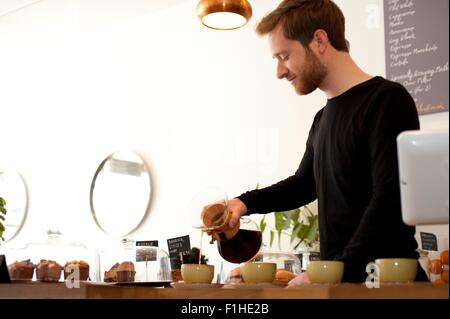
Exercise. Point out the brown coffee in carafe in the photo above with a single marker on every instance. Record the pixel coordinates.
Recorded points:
(242, 247)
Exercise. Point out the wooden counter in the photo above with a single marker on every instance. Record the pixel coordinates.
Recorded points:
(108, 291)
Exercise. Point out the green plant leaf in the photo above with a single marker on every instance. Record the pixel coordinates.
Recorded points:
(271, 238)
(293, 214)
(303, 231)
(313, 230)
(312, 219)
(279, 238)
(2, 211)
(281, 221)
(263, 224)
(294, 232)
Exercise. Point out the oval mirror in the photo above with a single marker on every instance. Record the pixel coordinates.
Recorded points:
(121, 193)
(13, 190)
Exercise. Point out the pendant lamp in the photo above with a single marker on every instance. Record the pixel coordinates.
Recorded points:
(224, 14)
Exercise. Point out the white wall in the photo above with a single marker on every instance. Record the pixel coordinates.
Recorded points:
(81, 79)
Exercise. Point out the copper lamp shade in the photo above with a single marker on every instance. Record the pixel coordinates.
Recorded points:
(224, 14)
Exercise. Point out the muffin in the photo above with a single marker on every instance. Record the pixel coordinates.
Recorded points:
(126, 272)
(111, 274)
(48, 270)
(282, 277)
(82, 266)
(21, 270)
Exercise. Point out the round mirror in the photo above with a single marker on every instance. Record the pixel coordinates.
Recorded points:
(121, 193)
(13, 190)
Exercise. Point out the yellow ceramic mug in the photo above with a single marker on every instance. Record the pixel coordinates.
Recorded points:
(325, 271)
(394, 269)
(258, 272)
(197, 273)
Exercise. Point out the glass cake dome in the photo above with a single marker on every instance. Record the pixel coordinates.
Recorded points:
(135, 262)
(49, 260)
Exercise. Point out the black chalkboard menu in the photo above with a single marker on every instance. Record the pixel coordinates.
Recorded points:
(416, 49)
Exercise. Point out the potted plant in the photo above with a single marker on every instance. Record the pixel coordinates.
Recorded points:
(2, 216)
(300, 224)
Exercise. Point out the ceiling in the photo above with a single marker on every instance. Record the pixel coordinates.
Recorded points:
(8, 7)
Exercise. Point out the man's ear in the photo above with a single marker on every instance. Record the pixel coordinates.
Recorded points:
(320, 40)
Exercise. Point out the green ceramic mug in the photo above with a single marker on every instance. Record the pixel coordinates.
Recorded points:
(325, 271)
(197, 273)
(394, 269)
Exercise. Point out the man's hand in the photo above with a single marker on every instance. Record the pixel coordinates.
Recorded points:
(237, 208)
(300, 280)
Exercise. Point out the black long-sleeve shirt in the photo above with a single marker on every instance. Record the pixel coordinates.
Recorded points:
(350, 166)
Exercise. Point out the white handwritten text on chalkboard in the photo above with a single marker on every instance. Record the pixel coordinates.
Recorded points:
(417, 50)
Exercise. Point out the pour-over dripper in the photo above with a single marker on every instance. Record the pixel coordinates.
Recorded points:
(235, 244)
(216, 218)
(208, 198)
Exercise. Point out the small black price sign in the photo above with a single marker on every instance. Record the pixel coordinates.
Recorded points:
(178, 245)
(429, 241)
(146, 250)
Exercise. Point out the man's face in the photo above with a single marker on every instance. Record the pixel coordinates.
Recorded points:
(296, 64)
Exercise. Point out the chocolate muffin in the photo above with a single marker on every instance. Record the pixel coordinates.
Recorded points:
(48, 270)
(82, 266)
(21, 270)
(126, 272)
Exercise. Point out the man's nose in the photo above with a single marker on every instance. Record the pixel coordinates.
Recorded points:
(282, 71)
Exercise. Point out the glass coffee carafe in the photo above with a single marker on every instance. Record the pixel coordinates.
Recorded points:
(237, 244)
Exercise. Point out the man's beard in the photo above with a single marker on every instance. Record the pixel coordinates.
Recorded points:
(311, 76)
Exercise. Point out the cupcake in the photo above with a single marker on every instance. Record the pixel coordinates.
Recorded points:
(111, 274)
(48, 270)
(21, 270)
(82, 266)
(126, 272)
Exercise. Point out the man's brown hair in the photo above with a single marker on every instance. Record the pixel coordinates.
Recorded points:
(301, 18)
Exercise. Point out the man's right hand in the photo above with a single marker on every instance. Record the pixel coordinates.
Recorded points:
(300, 280)
(237, 208)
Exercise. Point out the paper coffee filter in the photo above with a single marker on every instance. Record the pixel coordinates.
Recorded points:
(207, 196)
